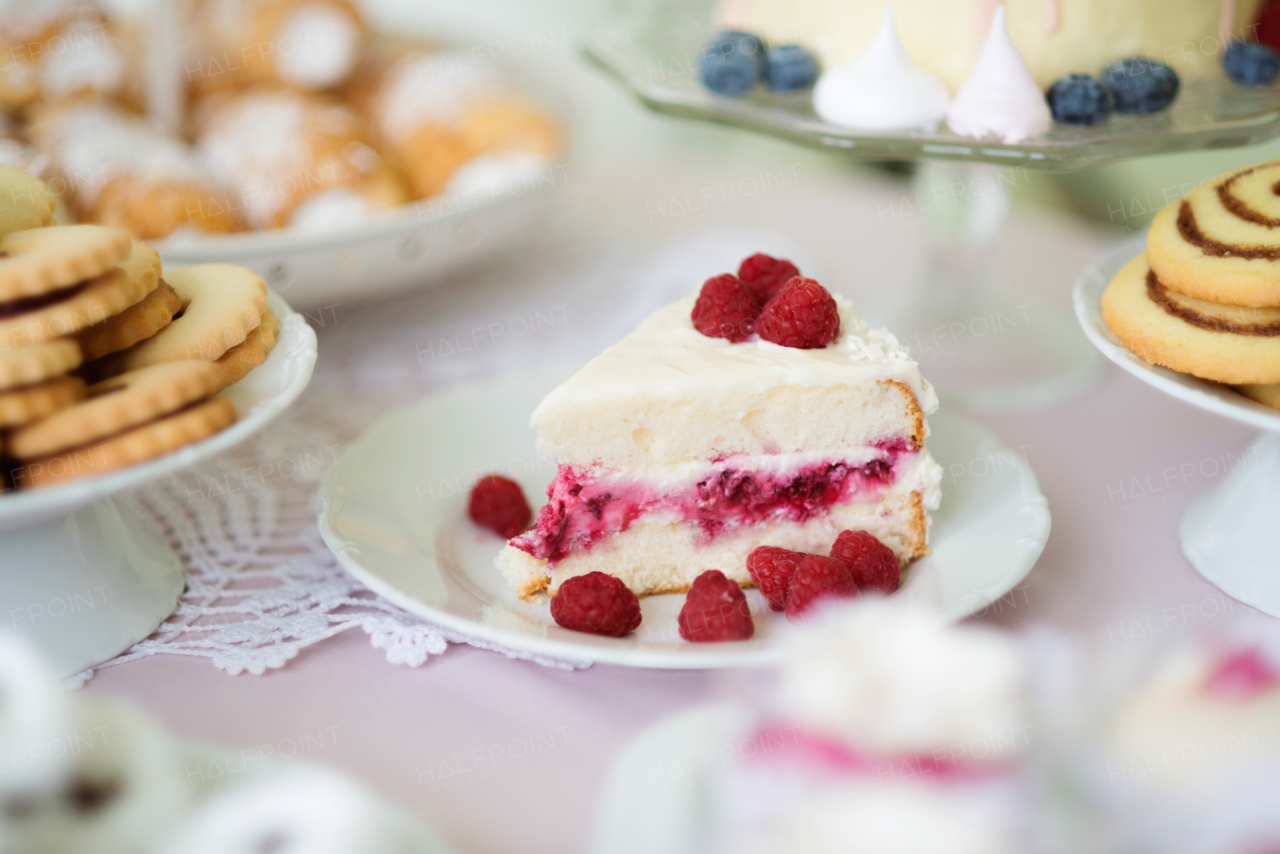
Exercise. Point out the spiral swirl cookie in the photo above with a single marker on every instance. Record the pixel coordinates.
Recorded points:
(1228, 343)
(1222, 241)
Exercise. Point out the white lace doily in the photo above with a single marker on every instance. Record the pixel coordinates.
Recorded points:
(261, 584)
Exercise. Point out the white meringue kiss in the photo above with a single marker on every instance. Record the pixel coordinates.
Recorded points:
(882, 90)
(999, 98)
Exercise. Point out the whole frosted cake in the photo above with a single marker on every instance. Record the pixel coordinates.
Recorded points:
(1054, 37)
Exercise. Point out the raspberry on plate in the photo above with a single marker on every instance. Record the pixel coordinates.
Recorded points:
(497, 503)
(715, 609)
(766, 275)
(771, 568)
(816, 579)
(596, 603)
(726, 308)
(803, 315)
(1078, 99)
(873, 565)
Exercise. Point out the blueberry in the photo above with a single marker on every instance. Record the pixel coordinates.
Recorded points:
(1250, 63)
(1141, 85)
(1078, 99)
(732, 63)
(789, 68)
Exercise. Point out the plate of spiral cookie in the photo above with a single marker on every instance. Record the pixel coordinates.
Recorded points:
(1193, 309)
(115, 373)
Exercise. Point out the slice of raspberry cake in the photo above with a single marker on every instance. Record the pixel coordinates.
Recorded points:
(697, 438)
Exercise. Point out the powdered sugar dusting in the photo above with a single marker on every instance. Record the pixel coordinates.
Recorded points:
(29, 19)
(262, 142)
(89, 61)
(667, 356)
(317, 46)
(433, 87)
(92, 144)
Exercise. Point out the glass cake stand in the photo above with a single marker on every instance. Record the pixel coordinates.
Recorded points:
(995, 348)
(1228, 533)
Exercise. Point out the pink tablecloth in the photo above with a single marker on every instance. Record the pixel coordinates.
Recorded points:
(508, 756)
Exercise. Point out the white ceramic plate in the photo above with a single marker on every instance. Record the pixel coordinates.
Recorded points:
(392, 508)
(409, 247)
(1214, 397)
(259, 398)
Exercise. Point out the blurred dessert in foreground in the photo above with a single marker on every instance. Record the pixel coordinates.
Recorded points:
(90, 775)
(1191, 754)
(889, 731)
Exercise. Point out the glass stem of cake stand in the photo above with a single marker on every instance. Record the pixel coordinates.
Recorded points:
(987, 345)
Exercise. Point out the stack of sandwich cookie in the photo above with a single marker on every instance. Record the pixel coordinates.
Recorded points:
(103, 363)
(1205, 297)
(123, 420)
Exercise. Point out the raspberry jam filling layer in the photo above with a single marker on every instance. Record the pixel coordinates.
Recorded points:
(583, 508)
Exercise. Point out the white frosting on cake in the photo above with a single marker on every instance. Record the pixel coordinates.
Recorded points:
(999, 98)
(317, 46)
(889, 679)
(881, 90)
(666, 358)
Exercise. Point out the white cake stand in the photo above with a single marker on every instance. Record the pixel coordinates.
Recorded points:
(1228, 534)
(85, 578)
(987, 346)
